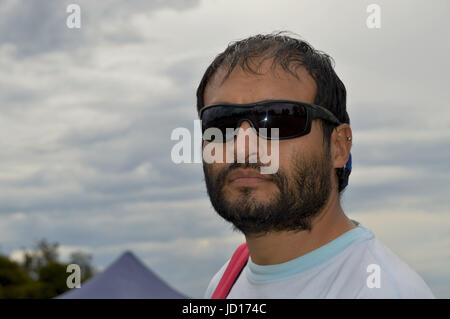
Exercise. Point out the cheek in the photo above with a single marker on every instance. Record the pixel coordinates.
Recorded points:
(288, 153)
(216, 153)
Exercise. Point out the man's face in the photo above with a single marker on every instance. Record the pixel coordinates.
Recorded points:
(288, 199)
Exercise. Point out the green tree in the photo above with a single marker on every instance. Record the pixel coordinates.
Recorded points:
(42, 254)
(84, 260)
(15, 282)
(41, 274)
(53, 277)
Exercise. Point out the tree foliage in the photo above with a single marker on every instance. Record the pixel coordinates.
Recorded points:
(40, 274)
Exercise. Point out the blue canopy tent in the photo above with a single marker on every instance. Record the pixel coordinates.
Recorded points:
(126, 278)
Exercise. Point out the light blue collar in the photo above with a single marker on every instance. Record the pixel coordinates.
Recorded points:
(258, 273)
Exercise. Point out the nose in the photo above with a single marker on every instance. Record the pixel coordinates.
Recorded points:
(245, 125)
(246, 144)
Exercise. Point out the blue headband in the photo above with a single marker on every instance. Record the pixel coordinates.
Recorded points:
(347, 169)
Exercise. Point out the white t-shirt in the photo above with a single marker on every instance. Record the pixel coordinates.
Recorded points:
(354, 265)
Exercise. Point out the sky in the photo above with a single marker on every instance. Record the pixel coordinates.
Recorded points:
(86, 117)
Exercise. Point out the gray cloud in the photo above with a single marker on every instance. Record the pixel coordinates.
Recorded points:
(40, 26)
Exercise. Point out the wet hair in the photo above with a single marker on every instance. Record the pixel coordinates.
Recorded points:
(287, 50)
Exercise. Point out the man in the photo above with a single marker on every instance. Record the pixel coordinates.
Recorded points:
(299, 241)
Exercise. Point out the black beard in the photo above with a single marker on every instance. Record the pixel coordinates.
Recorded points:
(302, 194)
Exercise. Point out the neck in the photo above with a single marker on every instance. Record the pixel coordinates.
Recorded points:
(279, 247)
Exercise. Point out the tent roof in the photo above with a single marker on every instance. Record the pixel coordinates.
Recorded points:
(126, 278)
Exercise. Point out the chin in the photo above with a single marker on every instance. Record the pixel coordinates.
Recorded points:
(257, 195)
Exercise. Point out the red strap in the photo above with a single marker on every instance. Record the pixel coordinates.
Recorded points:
(237, 262)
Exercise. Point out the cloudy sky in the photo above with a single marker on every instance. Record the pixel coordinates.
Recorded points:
(86, 118)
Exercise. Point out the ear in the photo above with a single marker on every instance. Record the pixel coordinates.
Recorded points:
(341, 143)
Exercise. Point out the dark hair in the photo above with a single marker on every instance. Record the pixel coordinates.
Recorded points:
(289, 53)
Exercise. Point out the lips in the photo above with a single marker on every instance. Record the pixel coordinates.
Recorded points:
(246, 177)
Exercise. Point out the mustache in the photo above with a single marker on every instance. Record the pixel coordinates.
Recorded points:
(277, 177)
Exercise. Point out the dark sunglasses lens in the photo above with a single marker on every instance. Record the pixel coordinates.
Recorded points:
(221, 118)
(290, 119)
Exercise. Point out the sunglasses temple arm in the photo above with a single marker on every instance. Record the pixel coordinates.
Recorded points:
(324, 114)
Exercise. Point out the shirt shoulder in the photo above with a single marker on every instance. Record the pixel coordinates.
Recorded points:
(215, 281)
(388, 276)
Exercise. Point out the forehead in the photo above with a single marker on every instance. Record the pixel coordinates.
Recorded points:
(243, 86)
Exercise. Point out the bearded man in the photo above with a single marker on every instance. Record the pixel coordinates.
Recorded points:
(299, 243)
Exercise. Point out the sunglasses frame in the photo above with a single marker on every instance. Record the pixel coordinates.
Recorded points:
(313, 111)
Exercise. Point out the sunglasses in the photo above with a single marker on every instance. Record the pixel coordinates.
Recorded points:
(291, 118)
